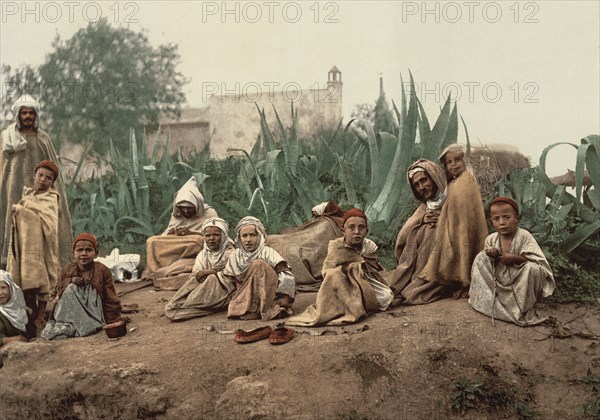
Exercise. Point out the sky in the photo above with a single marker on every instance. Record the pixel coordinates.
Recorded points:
(524, 73)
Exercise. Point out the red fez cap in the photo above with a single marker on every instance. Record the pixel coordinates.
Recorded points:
(506, 200)
(86, 237)
(354, 212)
(48, 164)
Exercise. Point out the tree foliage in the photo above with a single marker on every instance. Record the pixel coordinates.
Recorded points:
(102, 81)
(383, 120)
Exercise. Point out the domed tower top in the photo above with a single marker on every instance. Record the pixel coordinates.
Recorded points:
(334, 75)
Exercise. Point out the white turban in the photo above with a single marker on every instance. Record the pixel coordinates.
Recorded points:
(222, 225)
(12, 139)
(27, 101)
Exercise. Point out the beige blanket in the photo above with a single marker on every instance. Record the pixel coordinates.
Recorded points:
(305, 249)
(414, 243)
(163, 250)
(460, 234)
(346, 295)
(17, 170)
(33, 261)
(413, 248)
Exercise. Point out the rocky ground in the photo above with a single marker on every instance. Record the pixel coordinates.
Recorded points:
(432, 362)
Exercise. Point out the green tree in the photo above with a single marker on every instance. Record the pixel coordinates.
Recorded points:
(16, 82)
(383, 120)
(104, 80)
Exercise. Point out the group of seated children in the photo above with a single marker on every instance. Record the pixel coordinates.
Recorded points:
(440, 251)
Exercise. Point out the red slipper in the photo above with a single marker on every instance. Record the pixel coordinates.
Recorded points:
(281, 335)
(245, 337)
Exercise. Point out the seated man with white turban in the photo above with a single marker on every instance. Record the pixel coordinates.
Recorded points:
(416, 239)
(265, 285)
(172, 253)
(207, 289)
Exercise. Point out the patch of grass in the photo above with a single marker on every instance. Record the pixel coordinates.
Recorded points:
(577, 277)
(591, 380)
(523, 411)
(590, 409)
(466, 394)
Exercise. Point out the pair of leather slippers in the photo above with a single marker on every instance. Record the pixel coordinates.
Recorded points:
(276, 336)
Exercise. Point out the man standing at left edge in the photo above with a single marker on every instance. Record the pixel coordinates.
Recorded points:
(23, 146)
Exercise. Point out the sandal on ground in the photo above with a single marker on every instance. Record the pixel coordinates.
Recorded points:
(281, 335)
(245, 337)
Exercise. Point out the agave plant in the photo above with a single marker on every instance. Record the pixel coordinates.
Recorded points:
(547, 219)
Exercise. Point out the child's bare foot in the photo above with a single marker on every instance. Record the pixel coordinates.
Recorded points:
(462, 293)
(284, 301)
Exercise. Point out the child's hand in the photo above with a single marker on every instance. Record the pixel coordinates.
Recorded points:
(492, 252)
(510, 259)
(77, 281)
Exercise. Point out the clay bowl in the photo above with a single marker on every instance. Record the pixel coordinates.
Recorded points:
(116, 329)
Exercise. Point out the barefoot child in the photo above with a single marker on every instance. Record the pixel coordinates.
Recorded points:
(33, 260)
(84, 297)
(352, 285)
(265, 285)
(207, 289)
(511, 274)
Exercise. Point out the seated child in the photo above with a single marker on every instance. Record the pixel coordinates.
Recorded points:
(33, 261)
(511, 274)
(13, 316)
(352, 284)
(84, 297)
(207, 289)
(265, 285)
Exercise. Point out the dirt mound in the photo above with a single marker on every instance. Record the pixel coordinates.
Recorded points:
(430, 361)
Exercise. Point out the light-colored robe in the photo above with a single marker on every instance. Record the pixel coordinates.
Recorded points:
(460, 233)
(352, 287)
(213, 293)
(17, 171)
(165, 250)
(414, 244)
(33, 261)
(509, 292)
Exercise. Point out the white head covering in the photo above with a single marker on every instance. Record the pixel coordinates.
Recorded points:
(319, 208)
(12, 139)
(216, 259)
(242, 257)
(29, 102)
(14, 309)
(188, 194)
(219, 223)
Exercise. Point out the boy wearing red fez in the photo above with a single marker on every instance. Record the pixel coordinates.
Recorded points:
(511, 274)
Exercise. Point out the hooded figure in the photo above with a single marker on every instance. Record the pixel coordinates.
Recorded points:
(170, 256)
(22, 148)
(265, 285)
(13, 315)
(415, 239)
(207, 290)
